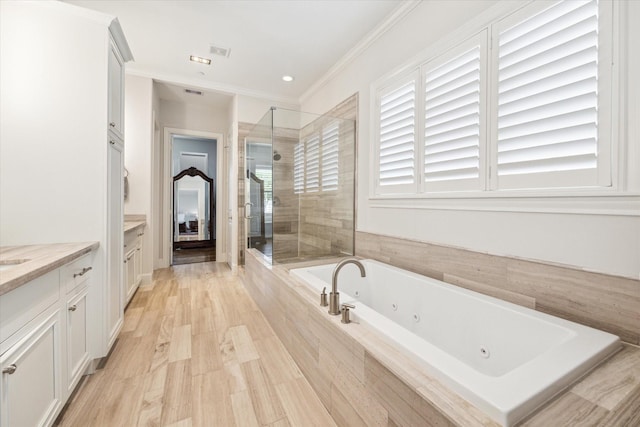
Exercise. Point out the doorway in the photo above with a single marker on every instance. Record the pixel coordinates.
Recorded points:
(194, 168)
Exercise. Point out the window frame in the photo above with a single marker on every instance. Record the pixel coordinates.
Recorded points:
(609, 41)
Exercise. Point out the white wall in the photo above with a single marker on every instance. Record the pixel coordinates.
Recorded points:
(52, 129)
(138, 154)
(599, 234)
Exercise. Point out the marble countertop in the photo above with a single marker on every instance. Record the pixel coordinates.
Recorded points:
(133, 225)
(32, 261)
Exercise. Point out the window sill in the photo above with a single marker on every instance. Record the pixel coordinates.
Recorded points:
(592, 202)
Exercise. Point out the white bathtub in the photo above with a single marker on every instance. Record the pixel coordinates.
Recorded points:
(505, 359)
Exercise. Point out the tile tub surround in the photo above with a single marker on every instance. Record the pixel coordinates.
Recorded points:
(364, 381)
(40, 259)
(359, 378)
(605, 302)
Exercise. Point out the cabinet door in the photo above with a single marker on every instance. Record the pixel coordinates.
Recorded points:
(30, 388)
(130, 273)
(116, 86)
(138, 261)
(115, 219)
(77, 351)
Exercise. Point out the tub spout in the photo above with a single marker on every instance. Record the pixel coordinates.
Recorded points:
(334, 296)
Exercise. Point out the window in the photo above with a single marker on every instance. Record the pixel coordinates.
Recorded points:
(454, 131)
(316, 161)
(547, 83)
(523, 104)
(330, 157)
(298, 168)
(312, 164)
(397, 116)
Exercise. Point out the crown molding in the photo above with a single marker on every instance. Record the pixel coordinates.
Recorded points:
(389, 22)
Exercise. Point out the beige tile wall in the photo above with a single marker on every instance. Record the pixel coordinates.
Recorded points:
(327, 218)
(602, 301)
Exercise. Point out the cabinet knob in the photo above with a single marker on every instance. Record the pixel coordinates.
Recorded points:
(112, 124)
(73, 308)
(10, 369)
(112, 142)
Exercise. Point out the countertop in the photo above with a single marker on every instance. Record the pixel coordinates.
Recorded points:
(133, 225)
(33, 261)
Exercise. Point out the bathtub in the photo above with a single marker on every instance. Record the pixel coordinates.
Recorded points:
(505, 359)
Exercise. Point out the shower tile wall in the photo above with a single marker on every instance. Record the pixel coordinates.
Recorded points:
(286, 204)
(327, 218)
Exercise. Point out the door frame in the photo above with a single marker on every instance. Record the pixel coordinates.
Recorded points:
(167, 178)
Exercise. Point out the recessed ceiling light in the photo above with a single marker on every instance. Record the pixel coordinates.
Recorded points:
(200, 60)
(287, 78)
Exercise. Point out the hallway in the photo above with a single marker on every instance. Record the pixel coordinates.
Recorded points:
(196, 351)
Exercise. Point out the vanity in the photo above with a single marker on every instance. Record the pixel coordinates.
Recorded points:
(44, 324)
(133, 253)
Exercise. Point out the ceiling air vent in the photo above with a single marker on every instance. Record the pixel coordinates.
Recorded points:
(193, 91)
(220, 51)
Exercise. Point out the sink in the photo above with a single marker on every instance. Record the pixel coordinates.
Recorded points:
(9, 264)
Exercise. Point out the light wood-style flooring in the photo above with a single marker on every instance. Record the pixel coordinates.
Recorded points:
(196, 351)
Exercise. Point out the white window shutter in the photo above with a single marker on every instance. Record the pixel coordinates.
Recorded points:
(454, 125)
(330, 147)
(396, 135)
(298, 168)
(312, 164)
(547, 106)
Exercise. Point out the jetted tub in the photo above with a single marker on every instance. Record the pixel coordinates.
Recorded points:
(505, 359)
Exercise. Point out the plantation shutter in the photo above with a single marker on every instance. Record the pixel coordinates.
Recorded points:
(547, 122)
(454, 125)
(298, 168)
(312, 165)
(396, 158)
(330, 157)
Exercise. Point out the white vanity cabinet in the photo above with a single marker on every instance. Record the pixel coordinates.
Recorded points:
(30, 390)
(74, 279)
(133, 261)
(43, 344)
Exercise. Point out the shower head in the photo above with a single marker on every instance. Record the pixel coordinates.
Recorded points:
(276, 156)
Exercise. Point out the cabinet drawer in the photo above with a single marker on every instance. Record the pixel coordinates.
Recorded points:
(131, 239)
(76, 272)
(21, 305)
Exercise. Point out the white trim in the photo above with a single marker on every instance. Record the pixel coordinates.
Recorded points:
(388, 23)
(167, 177)
(609, 205)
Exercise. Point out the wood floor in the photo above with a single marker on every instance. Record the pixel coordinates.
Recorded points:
(193, 255)
(196, 351)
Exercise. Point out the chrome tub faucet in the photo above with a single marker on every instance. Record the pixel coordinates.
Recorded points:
(334, 296)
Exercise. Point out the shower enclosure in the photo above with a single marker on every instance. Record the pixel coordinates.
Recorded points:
(299, 186)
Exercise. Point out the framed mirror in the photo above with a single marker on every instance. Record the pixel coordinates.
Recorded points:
(194, 209)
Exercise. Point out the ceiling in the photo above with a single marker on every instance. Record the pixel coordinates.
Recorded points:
(267, 38)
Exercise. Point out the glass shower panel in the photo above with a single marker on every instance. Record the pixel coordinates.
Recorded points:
(300, 186)
(313, 186)
(257, 185)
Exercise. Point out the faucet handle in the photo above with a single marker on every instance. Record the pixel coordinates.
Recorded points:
(345, 312)
(323, 297)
